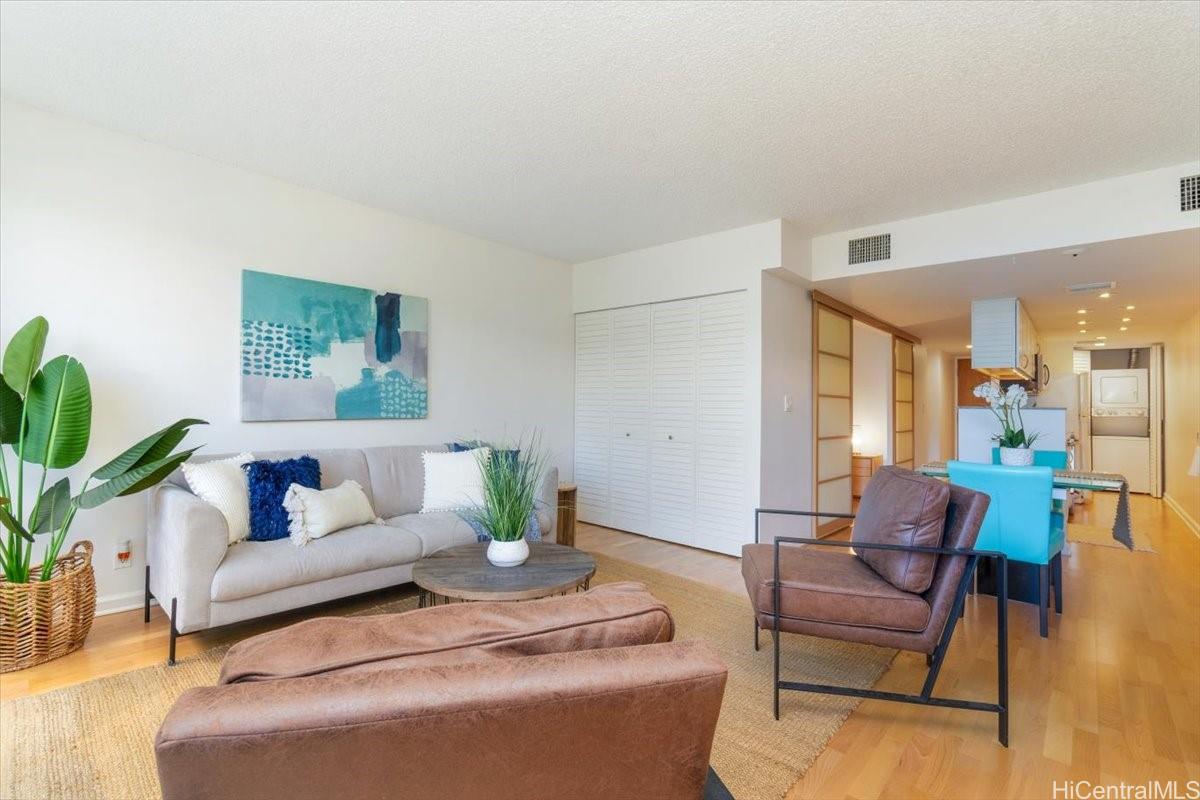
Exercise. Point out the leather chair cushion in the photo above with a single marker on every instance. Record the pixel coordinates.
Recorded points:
(902, 507)
(611, 615)
(830, 585)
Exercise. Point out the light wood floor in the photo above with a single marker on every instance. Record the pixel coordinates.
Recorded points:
(1113, 695)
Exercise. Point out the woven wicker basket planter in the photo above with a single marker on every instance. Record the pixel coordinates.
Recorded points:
(42, 621)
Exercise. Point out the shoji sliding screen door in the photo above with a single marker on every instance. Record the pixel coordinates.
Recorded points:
(833, 359)
(903, 429)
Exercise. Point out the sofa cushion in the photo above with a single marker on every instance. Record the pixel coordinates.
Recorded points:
(829, 585)
(398, 477)
(902, 507)
(437, 530)
(253, 568)
(336, 466)
(612, 615)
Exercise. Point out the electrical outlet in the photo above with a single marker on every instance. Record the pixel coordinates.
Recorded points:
(123, 555)
(787, 403)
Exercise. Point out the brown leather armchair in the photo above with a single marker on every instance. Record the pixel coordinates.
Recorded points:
(816, 591)
(579, 696)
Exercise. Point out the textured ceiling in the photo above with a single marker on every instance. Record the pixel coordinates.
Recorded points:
(1159, 275)
(585, 129)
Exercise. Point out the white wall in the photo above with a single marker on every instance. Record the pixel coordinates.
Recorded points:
(786, 466)
(1116, 208)
(873, 390)
(1181, 352)
(935, 403)
(134, 252)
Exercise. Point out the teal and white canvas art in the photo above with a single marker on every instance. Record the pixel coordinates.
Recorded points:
(315, 350)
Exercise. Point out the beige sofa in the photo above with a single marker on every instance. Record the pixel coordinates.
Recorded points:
(201, 582)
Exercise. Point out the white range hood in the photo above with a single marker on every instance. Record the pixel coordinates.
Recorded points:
(1004, 343)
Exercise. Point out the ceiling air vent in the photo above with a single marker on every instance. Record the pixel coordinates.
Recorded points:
(1104, 286)
(1189, 193)
(870, 248)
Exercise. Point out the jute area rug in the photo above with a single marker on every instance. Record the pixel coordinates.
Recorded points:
(95, 739)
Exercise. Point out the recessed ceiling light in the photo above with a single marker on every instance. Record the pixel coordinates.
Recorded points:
(1101, 337)
(1081, 311)
(1082, 322)
(1125, 319)
(1083, 330)
(1124, 328)
(1105, 295)
(969, 347)
(1129, 308)
(1100, 344)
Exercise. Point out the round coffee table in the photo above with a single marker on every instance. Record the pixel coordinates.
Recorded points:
(464, 573)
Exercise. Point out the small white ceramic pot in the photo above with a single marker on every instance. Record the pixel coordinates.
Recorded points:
(1016, 456)
(508, 554)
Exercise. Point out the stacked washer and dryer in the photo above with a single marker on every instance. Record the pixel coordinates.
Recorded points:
(1115, 405)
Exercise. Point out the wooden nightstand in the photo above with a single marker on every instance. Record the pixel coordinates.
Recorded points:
(862, 467)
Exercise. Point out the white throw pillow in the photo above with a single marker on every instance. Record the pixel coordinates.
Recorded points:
(223, 484)
(312, 513)
(453, 480)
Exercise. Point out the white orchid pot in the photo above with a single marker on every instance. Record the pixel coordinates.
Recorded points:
(1016, 456)
(508, 554)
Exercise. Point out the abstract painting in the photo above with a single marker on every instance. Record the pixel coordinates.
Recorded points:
(315, 350)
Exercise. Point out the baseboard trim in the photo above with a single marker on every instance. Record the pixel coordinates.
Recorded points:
(116, 603)
(1174, 505)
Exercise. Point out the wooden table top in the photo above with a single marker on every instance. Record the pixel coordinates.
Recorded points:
(465, 573)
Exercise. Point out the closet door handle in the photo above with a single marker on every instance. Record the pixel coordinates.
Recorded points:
(626, 433)
(669, 436)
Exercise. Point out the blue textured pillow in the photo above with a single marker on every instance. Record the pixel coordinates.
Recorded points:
(268, 482)
(497, 453)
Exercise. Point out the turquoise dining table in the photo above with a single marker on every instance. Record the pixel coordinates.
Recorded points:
(1074, 479)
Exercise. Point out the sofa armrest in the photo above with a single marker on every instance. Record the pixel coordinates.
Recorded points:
(547, 506)
(186, 539)
(627, 722)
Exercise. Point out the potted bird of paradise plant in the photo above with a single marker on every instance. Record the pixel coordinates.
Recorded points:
(46, 609)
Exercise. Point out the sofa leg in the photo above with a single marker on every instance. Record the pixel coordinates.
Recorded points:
(1056, 580)
(756, 647)
(146, 614)
(1044, 600)
(174, 634)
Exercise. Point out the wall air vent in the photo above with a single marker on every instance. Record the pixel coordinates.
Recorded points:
(1189, 193)
(1083, 288)
(870, 248)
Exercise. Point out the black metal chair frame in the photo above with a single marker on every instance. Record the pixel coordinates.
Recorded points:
(934, 661)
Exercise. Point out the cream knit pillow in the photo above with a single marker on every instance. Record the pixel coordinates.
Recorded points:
(313, 513)
(223, 484)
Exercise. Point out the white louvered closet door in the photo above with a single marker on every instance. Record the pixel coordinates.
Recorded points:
(723, 515)
(673, 404)
(629, 448)
(593, 397)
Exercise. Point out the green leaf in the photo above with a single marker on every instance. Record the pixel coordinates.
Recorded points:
(10, 414)
(59, 413)
(133, 481)
(52, 508)
(24, 354)
(10, 522)
(152, 448)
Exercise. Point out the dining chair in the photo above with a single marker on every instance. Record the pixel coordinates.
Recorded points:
(1020, 522)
